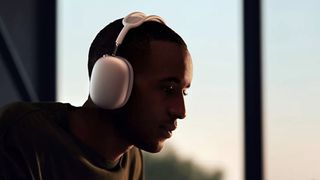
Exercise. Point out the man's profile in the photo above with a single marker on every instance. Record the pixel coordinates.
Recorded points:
(147, 73)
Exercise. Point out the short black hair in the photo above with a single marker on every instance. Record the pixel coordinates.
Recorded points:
(136, 44)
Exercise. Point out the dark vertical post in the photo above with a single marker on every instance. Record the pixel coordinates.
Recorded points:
(47, 49)
(253, 90)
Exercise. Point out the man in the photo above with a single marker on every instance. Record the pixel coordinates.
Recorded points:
(59, 141)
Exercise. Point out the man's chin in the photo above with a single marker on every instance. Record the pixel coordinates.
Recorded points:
(152, 147)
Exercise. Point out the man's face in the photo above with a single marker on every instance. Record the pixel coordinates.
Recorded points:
(157, 98)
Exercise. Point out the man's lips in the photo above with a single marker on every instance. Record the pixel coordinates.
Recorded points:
(166, 129)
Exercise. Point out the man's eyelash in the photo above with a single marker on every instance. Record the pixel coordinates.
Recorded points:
(170, 89)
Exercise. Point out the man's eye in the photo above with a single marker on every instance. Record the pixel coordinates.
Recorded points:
(170, 89)
(174, 89)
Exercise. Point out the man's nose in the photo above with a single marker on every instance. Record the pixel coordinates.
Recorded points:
(178, 110)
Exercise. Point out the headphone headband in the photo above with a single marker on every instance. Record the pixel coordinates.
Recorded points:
(133, 20)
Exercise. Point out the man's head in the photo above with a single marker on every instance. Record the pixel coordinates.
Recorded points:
(162, 72)
(136, 44)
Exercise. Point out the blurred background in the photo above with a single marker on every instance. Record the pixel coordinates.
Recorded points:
(43, 57)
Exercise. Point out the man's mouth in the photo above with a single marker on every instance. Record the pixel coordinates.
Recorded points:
(166, 130)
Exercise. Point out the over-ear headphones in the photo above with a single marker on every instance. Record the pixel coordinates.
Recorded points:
(112, 76)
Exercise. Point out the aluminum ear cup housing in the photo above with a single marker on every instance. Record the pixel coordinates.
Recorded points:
(111, 82)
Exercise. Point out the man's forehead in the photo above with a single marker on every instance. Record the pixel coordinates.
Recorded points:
(163, 45)
(169, 61)
(165, 55)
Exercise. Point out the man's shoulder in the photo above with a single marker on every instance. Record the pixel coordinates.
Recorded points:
(13, 113)
(17, 110)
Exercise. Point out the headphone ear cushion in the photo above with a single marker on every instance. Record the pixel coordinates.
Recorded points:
(111, 82)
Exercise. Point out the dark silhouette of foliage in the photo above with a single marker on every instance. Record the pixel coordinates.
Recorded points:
(170, 167)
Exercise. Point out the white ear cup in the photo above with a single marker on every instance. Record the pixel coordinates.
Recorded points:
(111, 82)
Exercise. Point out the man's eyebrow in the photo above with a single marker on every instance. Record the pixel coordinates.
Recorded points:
(173, 79)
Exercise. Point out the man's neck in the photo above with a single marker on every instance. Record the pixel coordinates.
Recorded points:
(96, 130)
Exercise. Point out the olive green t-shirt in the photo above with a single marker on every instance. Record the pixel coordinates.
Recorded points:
(35, 144)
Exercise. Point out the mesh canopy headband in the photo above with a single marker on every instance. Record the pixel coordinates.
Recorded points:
(133, 20)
